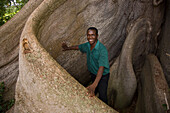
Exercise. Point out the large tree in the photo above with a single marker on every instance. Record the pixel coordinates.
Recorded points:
(129, 30)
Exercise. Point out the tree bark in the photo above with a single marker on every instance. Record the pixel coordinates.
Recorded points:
(164, 48)
(153, 88)
(9, 43)
(124, 81)
(129, 30)
(38, 72)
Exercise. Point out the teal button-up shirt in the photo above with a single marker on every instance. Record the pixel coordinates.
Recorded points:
(96, 58)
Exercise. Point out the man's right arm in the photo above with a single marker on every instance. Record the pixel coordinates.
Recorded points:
(65, 47)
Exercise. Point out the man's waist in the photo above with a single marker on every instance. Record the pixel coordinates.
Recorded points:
(102, 75)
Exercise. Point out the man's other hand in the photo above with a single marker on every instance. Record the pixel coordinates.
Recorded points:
(91, 90)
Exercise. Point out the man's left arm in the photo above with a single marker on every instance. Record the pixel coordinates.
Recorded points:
(92, 87)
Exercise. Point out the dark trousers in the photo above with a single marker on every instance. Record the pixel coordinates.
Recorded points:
(102, 86)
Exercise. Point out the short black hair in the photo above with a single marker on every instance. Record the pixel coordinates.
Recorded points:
(93, 28)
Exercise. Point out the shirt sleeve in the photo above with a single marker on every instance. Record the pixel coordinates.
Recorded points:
(83, 47)
(103, 58)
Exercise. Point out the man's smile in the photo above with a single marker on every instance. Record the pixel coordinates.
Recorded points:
(91, 40)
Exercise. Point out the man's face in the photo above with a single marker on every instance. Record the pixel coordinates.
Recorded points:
(92, 37)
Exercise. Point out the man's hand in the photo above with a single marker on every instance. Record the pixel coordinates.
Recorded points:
(92, 87)
(64, 46)
(91, 90)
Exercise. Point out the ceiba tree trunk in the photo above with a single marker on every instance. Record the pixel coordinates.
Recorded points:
(39, 72)
(129, 30)
(123, 80)
(164, 48)
(9, 43)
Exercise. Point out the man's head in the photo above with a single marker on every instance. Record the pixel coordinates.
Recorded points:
(92, 35)
(93, 28)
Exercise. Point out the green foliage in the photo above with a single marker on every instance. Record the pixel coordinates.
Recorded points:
(4, 105)
(8, 8)
(2, 10)
(164, 106)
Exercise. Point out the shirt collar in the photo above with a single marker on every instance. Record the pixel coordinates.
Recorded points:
(96, 46)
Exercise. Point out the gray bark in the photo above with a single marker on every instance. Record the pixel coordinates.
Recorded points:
(9, 47)
(123, 80)
(164, 42)
(42, 81)
(129, 30)
(153, 88)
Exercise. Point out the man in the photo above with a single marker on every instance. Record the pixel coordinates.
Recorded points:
(97, 63)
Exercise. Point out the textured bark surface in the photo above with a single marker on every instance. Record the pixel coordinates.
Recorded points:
(71, 28)
(44, 86)
(134, 25)
(42, 81)
(9, 43)
(152, 87)
(164, 45)
(124, 82)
